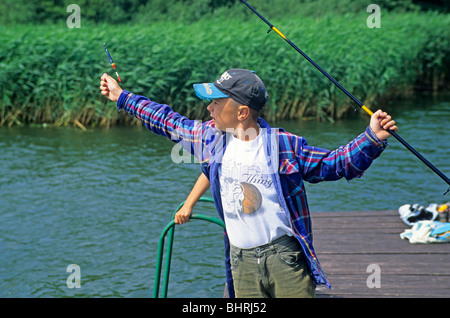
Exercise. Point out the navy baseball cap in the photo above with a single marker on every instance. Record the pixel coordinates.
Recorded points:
(243, 86)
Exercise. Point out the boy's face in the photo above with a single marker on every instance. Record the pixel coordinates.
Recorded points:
(225, 112)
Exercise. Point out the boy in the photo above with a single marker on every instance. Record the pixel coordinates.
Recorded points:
(256, 175)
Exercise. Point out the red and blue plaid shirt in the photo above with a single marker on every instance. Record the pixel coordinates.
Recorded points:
(293, 160)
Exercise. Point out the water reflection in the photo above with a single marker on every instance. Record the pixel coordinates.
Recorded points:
(100, 198)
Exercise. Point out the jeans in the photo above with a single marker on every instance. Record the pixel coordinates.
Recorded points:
(273, 270)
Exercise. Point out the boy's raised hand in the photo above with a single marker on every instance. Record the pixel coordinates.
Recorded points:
(110, 88)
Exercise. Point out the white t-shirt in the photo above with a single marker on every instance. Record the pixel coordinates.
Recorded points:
(252, 211)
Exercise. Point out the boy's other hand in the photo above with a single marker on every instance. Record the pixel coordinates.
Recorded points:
(183, 215)
(380, 122)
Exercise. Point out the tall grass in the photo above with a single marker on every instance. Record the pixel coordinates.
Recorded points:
(50, 74)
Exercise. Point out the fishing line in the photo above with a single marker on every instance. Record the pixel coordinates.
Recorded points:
(353, 98)
(95, 12)
(336, 97)
(113, 65)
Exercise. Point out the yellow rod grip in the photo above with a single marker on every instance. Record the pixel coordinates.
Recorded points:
(279, 33)
(367, 110)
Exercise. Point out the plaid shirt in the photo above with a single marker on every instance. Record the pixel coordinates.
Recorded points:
(288, 155)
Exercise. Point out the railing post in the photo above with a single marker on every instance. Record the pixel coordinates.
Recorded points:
(170, 230)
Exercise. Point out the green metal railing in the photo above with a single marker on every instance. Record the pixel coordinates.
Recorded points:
(170, 231)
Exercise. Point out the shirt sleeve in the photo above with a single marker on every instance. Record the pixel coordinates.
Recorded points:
(194, 136)
(348, 161)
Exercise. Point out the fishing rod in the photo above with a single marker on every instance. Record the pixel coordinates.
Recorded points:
(359, 103)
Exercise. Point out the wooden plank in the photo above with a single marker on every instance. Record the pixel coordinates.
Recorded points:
(365, 232)
(370, 242)
(353, 286)
(348, 242)
(390, 264)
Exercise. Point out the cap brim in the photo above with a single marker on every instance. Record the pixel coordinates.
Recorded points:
(208, 91)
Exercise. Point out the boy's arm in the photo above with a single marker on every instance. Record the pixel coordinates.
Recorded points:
(162, 120)
(158, 118)
(348, 161)
(199, 189)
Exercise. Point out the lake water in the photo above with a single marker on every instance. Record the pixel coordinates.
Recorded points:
(100, 199)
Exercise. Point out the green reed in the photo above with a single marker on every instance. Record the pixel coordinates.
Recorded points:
(50, 74)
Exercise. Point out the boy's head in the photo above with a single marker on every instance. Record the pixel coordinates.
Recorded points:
(237, 95)
(243, 86)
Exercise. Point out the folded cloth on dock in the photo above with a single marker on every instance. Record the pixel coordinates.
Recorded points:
(428, 232)
(411, 214)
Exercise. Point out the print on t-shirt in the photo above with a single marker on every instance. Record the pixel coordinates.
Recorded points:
(238, 186)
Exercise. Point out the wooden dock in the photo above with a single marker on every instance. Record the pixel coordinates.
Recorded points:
(347, 243)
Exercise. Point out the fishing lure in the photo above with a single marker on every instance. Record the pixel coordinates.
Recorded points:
(112, 63)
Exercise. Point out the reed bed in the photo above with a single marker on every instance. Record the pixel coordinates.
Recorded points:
(50, 74)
